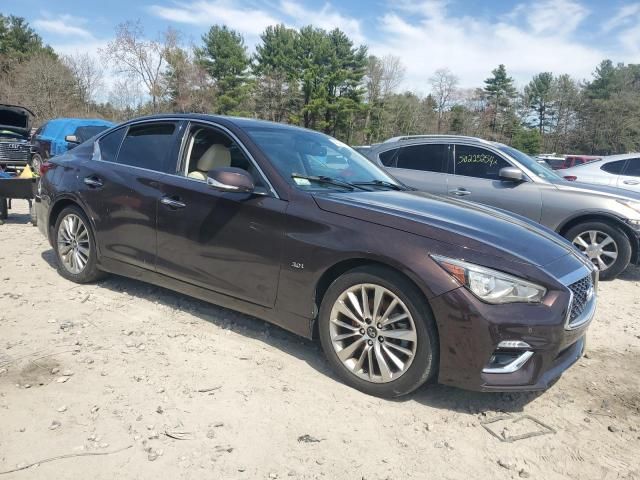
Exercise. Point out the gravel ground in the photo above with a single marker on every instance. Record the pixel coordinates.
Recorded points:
(133, 381)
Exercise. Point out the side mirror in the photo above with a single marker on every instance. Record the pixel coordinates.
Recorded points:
(511, 174)
(230, 179)
(71, 139)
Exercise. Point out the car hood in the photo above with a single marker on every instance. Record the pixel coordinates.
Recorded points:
(604, 191)
(15, 118)
(469, 225)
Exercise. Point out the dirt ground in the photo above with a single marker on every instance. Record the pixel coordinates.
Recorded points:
(194, 390)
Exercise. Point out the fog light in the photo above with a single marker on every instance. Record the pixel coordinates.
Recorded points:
(517, 344)
(507, 362)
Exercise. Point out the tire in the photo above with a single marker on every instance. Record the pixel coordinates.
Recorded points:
(36, 161)
(620, 246)
(4, 209)
(367, 375)
(89, 271)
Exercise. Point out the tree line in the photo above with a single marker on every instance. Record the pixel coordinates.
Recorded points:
(318, 79)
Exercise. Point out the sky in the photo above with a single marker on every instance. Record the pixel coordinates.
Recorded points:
(468, 37)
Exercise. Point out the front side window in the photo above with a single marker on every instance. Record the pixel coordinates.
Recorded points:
(149, 145)
(208, 148)
(633, 168)
(298, 153)
(107, 147)
(478, 162)
(389, 157)
(428, 158)
(613, 167)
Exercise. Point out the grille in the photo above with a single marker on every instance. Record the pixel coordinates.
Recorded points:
(580, 290)
(14, 152)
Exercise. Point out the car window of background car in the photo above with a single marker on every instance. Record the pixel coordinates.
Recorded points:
(314, 154)
(478, 162)
(531, 164)
(389, 157)
(633, 168)
(427, 157)
(108, 146)
(613, 167)
(148, 146)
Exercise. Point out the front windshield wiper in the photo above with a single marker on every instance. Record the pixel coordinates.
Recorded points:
(381, 183)
(328, 181)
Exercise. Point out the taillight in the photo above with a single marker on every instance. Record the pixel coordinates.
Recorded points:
(571, 178)
(45, 167)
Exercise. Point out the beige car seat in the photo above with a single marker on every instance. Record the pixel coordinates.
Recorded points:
(216, 156)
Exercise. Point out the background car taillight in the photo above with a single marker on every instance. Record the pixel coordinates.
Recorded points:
(571, 178)
(45, 167)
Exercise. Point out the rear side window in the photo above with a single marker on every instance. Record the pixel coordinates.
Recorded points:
(613, 167)
(388, 158)
(478, 162)
(633, 168)
(428, 158)
(109, 145)
(149, 146)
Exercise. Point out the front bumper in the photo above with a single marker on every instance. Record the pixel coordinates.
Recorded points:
(471, 330)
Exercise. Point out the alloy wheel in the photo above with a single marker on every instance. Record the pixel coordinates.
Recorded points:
(600, 247)
(373, 333)
(73, 243)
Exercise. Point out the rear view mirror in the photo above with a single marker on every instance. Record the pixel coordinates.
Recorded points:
(511, 174)
(230, 179)
(71, 139)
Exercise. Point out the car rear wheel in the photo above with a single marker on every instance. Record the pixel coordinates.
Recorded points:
(75, 246)
(606, 245)
(378, 332)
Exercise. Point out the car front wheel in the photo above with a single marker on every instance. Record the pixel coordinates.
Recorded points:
(75, 246)
(378, 332)
(606, 245)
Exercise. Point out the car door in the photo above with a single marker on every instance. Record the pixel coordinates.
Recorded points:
(229, 242)
(476, 178)
(422, 166)
(630, 177)
(119, 186)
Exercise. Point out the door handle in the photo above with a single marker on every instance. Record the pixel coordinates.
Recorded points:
(631, 182)
(93, 182)
(460, 192)
(172, 202)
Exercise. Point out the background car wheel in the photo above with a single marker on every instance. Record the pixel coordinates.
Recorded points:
(606, 245)
(75, 246)
(378, 332)
(36, 161)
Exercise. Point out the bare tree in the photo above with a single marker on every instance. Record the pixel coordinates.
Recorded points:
(383, 76)
(88, 75)
(443, 87)
(140, 59)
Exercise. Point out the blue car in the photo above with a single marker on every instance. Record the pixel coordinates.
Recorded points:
(57, 136)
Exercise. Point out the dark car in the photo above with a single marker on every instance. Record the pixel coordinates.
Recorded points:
(57, 136)
(15, 150)
(295, 227)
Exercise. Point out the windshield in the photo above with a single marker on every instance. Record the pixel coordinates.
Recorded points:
(301, 153)
(531, 163)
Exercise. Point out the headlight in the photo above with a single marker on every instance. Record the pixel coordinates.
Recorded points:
(631, 204)
(489, 285)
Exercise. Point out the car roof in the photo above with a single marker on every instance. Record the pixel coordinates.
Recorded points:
(622, 156)
(242, 122)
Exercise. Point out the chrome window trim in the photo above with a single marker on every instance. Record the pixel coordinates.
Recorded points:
(183, 119)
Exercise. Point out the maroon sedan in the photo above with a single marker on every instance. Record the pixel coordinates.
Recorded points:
(295, 227)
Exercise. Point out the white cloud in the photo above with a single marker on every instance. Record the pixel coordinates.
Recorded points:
(472, 46)
(626, 15)
(555, 17)
(327, 18)
(63, 25)
(247, 20)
